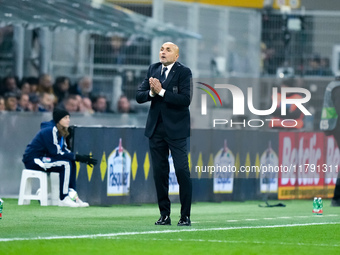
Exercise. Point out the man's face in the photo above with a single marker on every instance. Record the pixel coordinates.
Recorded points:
(47, 101)
(124, 105)
(168, 54)
(24, 101)
(71, 105)
(101, 105)
(11, 104)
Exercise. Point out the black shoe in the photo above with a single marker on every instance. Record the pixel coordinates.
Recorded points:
(335, 202)
(163, 220)
(184, 221)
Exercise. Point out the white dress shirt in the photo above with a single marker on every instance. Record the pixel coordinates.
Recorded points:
(162, 92)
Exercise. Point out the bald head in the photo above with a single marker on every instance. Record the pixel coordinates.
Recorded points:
(174, 46)
(168, 53)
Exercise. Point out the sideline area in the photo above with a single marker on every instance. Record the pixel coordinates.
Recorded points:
(242, 227)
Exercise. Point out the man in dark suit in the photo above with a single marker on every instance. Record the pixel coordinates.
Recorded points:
(336, 133)
(168, 86)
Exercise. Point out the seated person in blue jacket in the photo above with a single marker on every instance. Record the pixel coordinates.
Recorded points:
(48, 152)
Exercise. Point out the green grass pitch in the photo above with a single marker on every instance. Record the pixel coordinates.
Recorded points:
(217, 228)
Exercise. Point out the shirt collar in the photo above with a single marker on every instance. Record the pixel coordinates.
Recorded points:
(168, 66)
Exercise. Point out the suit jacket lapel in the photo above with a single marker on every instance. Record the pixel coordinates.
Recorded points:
(158, 72)
(170, 75)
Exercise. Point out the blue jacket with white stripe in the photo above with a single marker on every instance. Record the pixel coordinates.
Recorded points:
(48, 143)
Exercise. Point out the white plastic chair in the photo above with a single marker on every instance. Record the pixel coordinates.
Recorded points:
(49, 188)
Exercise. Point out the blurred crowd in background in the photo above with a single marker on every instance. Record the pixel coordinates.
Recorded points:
(43, 94)
(248, 43)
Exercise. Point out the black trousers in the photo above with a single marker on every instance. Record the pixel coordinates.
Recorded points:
(160, 144)
(337, 185)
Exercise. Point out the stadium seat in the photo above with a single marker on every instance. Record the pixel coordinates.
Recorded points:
(49, 188)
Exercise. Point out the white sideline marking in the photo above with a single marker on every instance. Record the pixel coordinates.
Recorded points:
(161, 232)
(286, 217)
(244, 242)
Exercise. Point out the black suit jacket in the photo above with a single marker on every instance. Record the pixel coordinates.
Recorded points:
(174, 106)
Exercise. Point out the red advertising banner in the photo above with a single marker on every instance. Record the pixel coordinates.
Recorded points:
(308, 165)
(332, 160)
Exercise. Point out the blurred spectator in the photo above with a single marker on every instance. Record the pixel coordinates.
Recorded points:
(25, 87)
(80, 106)
(267, 64)
(124, 105)
(61, 87)
(46, 102)
(313, 67)
(33, 82)
(34, 102)
(109, 50)
(70, 104)
(84, 104)
(45, 84)
(11, 101)
(10, 84)
(87, 105)
(100, 104)
(117, 53)
(325, 67)
(2, 104)
(137, 50)
(24, 103)
(83, 88)
(130, 82)
(319, 66)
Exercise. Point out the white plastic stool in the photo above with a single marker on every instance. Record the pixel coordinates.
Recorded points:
(49, 188)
